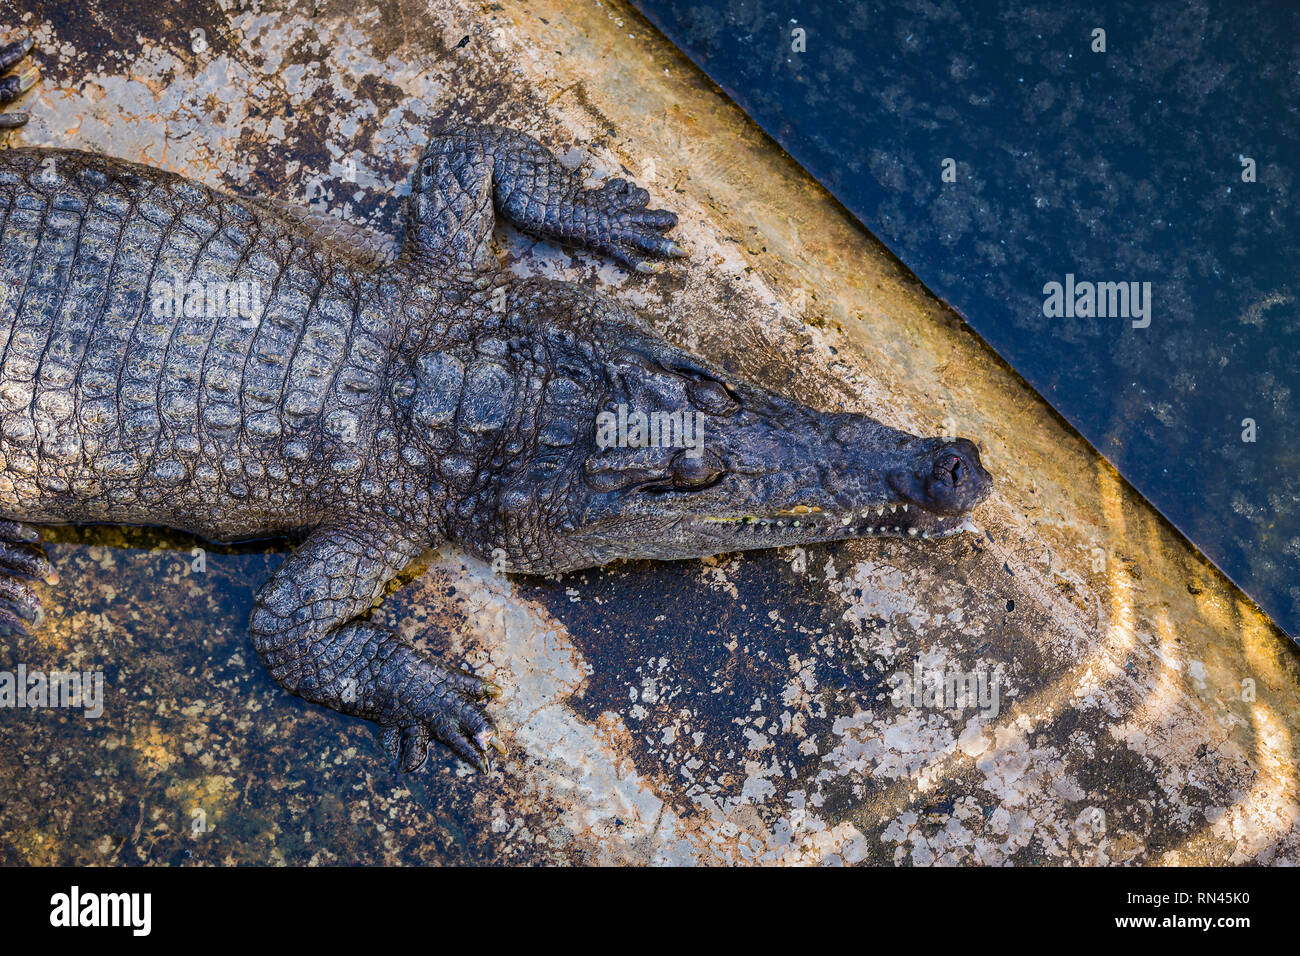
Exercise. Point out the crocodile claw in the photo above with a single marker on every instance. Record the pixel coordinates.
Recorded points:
(452, 715)
(635, 236)
(631, 233)
(11, 53)
(21, 560)
(13, 85)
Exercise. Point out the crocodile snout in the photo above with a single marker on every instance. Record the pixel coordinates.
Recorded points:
(949, 479)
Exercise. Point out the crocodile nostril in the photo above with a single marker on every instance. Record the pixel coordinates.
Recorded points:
(950, 468)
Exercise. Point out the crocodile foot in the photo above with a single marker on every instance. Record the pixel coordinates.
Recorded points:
(21, 560)
(450, 713)
(629, 232)
(14, 85)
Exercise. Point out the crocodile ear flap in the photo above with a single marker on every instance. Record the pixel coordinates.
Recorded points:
(618, 470)
(616, 467)
(450, 215)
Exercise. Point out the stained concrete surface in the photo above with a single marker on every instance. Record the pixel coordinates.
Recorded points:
(735, 710)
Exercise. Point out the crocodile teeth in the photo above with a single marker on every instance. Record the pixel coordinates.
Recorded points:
(912, 532)
(893, 508)
(904, 507)
(897, 528)
(880, 510)
(846, 519)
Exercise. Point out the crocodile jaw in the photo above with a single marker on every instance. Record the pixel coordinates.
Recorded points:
(883, 521)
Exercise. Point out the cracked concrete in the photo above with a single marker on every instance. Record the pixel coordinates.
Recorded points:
(744, 709)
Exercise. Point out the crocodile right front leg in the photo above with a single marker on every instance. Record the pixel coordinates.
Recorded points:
(306, 631)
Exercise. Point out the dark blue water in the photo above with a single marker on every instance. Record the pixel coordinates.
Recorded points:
(1124, 166)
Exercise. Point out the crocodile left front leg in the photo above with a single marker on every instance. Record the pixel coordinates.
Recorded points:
(306, 630)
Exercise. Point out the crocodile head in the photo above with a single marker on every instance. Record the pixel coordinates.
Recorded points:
(644, 451)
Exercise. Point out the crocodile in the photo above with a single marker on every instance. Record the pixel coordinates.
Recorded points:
(375, 399)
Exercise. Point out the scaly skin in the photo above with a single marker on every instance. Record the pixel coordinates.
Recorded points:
(385, 404)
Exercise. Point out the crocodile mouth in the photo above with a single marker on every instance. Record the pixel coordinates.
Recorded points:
(803, 523)
(930, 495)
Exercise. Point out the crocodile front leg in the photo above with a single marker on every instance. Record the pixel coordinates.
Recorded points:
(15, 85)
(21, 561)
(469, 171)
(306, 631)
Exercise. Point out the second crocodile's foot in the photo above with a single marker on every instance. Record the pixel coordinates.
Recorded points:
(21, 560)
(14, 85)
(449, 710)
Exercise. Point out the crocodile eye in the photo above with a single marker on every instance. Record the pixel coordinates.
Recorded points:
(696, 473)
(712, 397)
